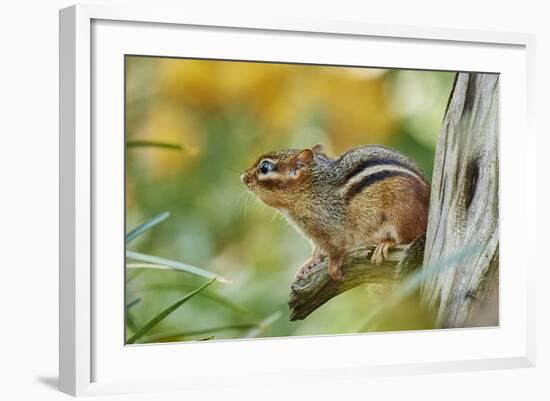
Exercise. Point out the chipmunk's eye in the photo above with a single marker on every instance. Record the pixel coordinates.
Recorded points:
(266, 167)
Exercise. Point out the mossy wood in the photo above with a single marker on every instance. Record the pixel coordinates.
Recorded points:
(463, 213)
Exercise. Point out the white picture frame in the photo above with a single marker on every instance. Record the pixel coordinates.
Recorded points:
(93, 357)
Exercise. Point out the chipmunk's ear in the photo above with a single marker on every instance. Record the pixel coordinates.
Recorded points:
(319, 148)
(303, 159)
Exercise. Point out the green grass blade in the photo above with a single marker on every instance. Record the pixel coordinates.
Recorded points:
(223, 301)
(208, 338)
(131, 321)
(156, 262)
(153, 144)
(133, 303)
(264, 324)
(132, 277)
(136, 232)
(162, 315)
(202, 332)
(415, 281)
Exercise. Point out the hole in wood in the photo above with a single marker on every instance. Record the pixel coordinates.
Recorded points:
(472, 176)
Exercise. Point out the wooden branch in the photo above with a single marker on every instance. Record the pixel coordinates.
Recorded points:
(316, 287)
(464, 205)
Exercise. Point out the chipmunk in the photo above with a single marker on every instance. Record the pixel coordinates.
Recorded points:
(370, 195)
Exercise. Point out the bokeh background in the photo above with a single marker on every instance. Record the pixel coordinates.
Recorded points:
(192, 126)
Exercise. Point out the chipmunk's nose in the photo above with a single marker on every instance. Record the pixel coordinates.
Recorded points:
(245, 178)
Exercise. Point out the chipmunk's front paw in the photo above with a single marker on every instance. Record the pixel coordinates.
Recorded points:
(306, 267)
(314, 260)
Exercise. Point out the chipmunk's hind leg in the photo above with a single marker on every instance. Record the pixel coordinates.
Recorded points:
(381, 251)
(334, 266)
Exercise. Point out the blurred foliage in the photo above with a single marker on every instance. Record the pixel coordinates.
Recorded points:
(193, 125)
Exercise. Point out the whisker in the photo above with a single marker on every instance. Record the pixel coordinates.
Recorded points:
(233, 169)
(240, 198)
(247, 198)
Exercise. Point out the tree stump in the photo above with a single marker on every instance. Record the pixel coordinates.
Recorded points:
(464, 206)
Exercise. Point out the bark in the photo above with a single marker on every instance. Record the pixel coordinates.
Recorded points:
(464, 205)
(316, 287)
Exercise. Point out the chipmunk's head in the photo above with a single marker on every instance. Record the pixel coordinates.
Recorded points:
(277, 177)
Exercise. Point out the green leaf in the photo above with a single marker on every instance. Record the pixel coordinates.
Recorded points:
(164, 337)
(180, 286)
(131, 321)
(134, 302)
(132, 277)
(136, 232)
(152, 144)
(264, 324)
(162, 315)
(156, 262)
(208, 338)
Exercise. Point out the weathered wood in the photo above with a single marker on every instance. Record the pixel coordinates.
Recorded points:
(316, 287)
(464, 205)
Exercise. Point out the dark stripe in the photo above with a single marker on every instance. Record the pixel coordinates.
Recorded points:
(372, 179)
(378, 161)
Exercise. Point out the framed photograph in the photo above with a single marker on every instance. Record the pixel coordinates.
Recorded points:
(239, 194)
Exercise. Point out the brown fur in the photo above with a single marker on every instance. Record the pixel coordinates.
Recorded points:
(310, 189)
